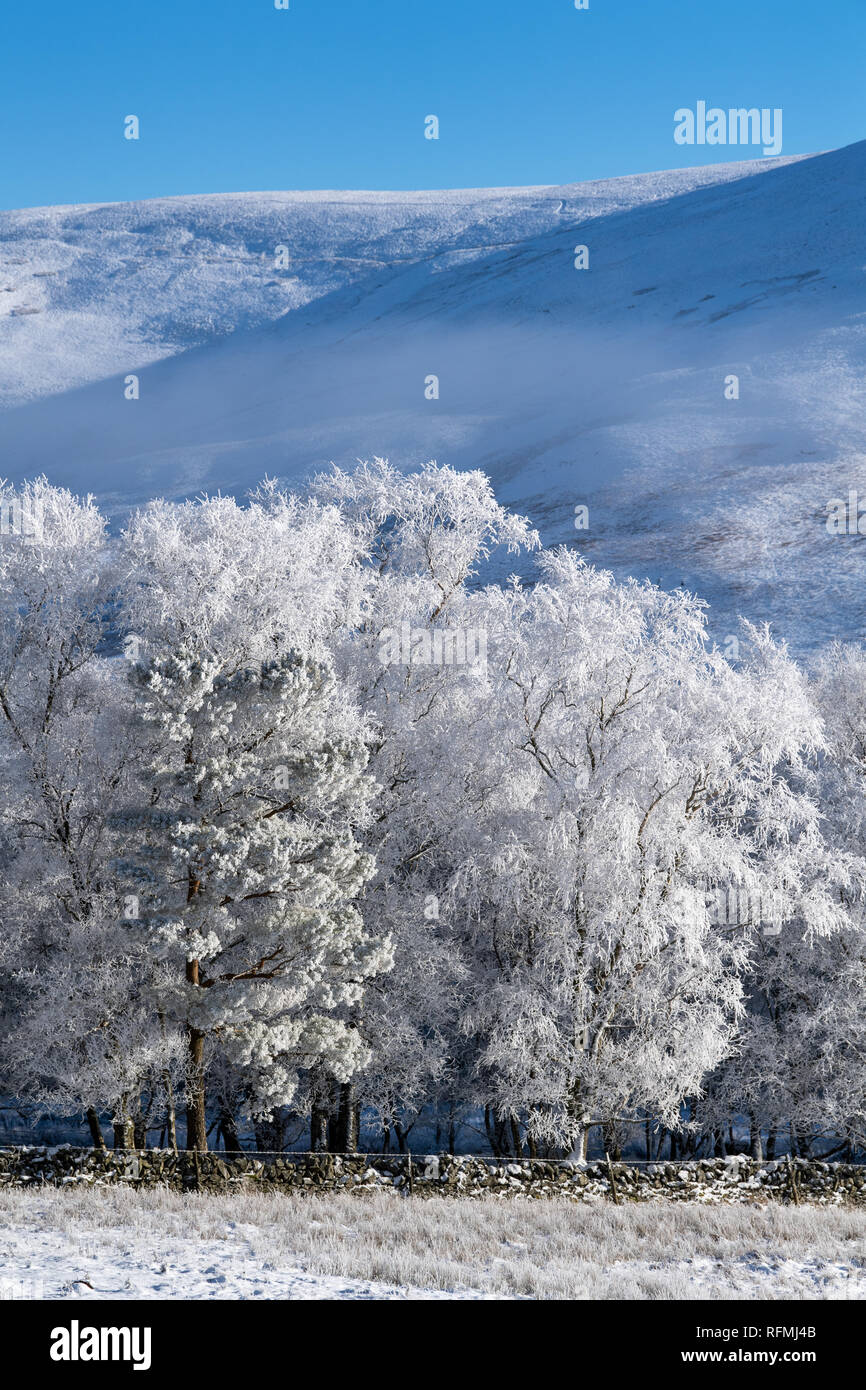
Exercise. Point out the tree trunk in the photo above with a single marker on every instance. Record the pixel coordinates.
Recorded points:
(319, 1125)
(756, 1146)
(801, 1142)
(771, 1143)
(124, 1137)
(196, 1116)
(196, 1122)
(229, 1131)
(515, 1138)
(491, 1133)
(346, 1136)
(580, 1116)
(95, 1128)
(170, 1115)
(580, 1140)
(612, 1144)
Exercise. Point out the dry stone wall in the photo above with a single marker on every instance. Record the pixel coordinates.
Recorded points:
(712, 1180)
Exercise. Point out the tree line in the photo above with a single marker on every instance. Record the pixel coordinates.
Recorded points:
(307, 812)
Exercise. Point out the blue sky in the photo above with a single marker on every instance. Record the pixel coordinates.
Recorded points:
(234, 95)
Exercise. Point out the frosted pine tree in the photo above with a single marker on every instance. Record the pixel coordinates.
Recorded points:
(246, 869)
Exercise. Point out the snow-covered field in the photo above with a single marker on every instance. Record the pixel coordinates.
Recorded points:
(103, 1244)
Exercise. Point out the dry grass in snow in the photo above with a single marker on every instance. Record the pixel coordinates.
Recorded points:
(114, 1243)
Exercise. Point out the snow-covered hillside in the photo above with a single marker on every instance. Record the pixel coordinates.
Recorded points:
(603, 386)
(95, 290)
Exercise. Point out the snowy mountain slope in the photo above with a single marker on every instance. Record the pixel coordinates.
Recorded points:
(91, 290)
(603, 386)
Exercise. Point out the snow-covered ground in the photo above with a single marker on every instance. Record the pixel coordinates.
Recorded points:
(603, 386)
(112, 1243)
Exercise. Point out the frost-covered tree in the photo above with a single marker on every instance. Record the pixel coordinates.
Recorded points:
(416, 662)
(246, 868)
(622, 766)
(79, 1033)
(800, 1064)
